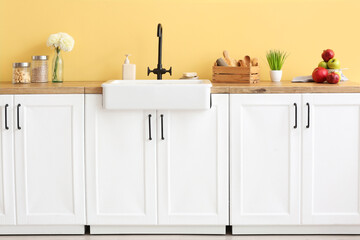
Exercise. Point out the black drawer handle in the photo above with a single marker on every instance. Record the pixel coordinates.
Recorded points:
(6, 117)
(295, 115)
(18, 116)
(162, 126)
(149, 116)
(308, 121)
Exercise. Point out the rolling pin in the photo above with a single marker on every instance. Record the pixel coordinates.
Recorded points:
(229, 60)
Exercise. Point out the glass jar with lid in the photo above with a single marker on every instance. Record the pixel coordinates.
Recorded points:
(21, 72)
(39, 69)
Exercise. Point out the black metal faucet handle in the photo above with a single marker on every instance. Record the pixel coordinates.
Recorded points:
(149, 71)
(169, 71)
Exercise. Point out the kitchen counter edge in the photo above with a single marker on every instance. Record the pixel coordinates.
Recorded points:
(89, 87)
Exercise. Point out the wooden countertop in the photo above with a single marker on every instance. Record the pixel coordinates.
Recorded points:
(42, 88)
(262, 87)
(287, 87)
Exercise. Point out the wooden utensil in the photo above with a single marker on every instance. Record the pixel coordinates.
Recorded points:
(228, 59)
(241, 63)
(234, 62)
(254, 62)
(247, 60)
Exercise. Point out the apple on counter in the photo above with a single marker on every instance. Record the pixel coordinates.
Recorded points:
(327, 55)
(319, 74)
(333, 78)
(333, 63)
(323, 64)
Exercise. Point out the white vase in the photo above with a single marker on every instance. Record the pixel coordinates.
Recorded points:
(275, 75)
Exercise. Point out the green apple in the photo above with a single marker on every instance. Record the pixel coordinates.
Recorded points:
(333, 63)
(323, 64)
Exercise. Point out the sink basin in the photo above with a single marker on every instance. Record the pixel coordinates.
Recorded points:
(157, 94)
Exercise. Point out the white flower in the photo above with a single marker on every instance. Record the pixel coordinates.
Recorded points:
(53, 40)
(62, 40)
(66, 42)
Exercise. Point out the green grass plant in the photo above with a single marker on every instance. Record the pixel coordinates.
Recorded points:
(276, 59)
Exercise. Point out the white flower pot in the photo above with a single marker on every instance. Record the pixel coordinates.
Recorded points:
(275, 75)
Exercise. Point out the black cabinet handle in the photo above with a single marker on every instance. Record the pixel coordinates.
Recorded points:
(308, 122)
(162, 126)
(295, 126)
(149, 116)
(18, 116)
(6, 117)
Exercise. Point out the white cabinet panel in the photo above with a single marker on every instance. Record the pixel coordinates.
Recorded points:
(193, 165)
(331, 159)
(7, 183)
(49, 159)
(121, 165)
(265, 159)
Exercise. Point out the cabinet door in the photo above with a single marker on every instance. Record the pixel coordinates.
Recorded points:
(49, 149)
(265, 158)
(7, 194)
(120, 165)
(331, 159)
(193, 165)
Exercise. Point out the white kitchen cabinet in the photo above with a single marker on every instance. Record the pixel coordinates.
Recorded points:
(331, 159)
(120, 165)
(177, 176)
(193, 165)
(265, 152)
(7, 182)
(49, 159)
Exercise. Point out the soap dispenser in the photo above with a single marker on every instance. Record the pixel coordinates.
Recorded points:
(128, 70)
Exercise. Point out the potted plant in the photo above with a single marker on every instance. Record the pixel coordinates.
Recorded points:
(276, 59)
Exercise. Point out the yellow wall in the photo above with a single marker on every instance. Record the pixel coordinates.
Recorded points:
(195, 33)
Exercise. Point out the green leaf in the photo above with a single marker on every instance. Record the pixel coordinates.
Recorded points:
(276, 59)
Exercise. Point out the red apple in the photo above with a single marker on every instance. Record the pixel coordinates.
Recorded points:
(333, 78)
(327, 55)
(319, 74)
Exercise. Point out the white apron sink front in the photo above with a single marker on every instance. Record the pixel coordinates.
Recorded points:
(157, 94)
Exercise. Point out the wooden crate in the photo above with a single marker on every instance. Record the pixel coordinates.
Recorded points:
(223, 74)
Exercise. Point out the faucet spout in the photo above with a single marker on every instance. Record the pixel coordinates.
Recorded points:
(159, 30)
(159, 71)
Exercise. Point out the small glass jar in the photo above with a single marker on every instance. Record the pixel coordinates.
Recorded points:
(21, 72)
(39, 69)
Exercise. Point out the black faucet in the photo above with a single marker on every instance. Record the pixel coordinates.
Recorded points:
(159, 71)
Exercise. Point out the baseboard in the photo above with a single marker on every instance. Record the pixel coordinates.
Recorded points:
(236, 230)
(40, 229)
(107, 229)
(326, 229)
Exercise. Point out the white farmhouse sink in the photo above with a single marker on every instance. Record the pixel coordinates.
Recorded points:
(157, 94)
